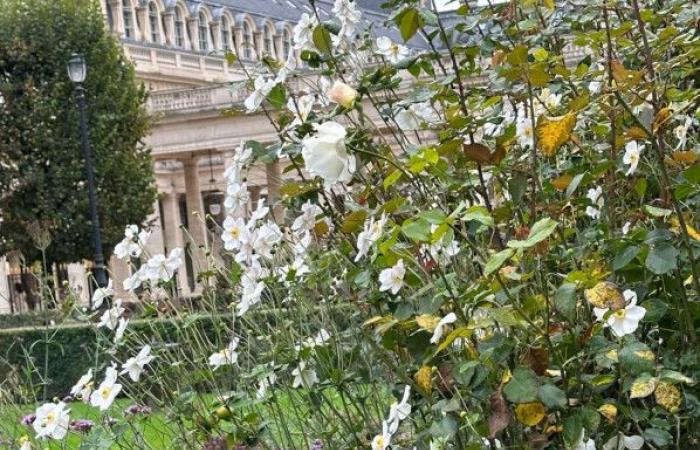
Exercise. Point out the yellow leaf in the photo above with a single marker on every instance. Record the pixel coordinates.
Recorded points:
(662, 117)
(685, 158)
(643, 387)
(636, 133)
(609, 411)
(549, 4)
(668, 396)
(676, 228)
(646, 354)
(353, 221)
(461, 332)
(530, 413)
(562, 182)
(553, 132)
(507, 375)
(424, 379)
(605, 295)
(427, 322)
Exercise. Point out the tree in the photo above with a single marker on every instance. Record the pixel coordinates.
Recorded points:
(42, 172)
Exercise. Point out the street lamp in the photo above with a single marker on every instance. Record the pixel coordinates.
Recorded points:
(77, 72)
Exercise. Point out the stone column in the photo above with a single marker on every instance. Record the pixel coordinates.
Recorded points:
(4, 288)
(117, 16)
(172, 233)
(215, 30)
(195, 208)
(79, 283)
(193, 29)
(141, 27)
(169, 26)
(273, 175)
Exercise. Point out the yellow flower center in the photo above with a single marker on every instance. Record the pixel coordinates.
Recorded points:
(620, 313)
(50, 417)
(235, 232)
(394, 48)
(105, 392)
(380, 441)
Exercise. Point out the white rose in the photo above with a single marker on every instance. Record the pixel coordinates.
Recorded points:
(325, 154)
(342, 94)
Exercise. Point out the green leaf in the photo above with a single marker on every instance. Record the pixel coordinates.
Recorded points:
(662, 438)
(662, 258)
(409, 23)
(522, 388)
(573, 426)
(392, 178)
(693, 174)
(565, 300)
(552, 397)
(322, 39)
(656, 309)
(657, 212)
(625, 257)
(574, 184)
(497, 260)
(539, 232)
(479, 214)
(636, 358)
(417, 230)
(277, 96)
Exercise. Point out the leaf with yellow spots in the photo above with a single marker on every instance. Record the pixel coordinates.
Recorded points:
(685, 158)
(643, 386)
(553, 132)
(636, 133)
(662, 117)
(562, 182)
(530, 414)
(645, 354)
(424, 379)
(507, 375)
(605, 295)
(609, 411)
(612, 355)
(427, 322)
(668, 396)
(676, 228)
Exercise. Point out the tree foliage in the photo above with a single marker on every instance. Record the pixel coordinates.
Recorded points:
(42, 171)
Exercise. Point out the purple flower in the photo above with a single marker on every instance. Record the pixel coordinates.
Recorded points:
(137, 409)
(218, 443)
(317, 445)
(68, 399)
(82, 425)
(28, 419)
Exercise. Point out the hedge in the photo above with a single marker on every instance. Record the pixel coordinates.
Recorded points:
(39, 318)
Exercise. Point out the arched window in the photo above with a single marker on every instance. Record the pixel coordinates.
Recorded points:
(203, 32)
(179, 29)
(225, 33)
(128, 22)
(286, 43)
(248, 41)
(270, 41)
(153, 22)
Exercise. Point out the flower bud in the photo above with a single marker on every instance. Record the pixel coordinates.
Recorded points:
(342, 94)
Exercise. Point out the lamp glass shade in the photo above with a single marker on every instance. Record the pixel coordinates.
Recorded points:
(77, 69)
(215, 209)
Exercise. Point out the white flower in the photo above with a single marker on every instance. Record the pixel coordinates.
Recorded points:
(622, 442)
(594, 86)
(25, 443)
(547, 101)
(342, 94)
(110, 318)
(225, 357)
(382, 441)
(252, 290)
(160, 268)
(241, 157)
(325, 154)
(623, 321)
(132, 244)
(633, 152)
(440, 328)
(262, 88)
(105, 394)
(83, 387)
(584, 445)
(301, 108)
(51, 421)
(349, 15)
(399, 411)
(626, 228)
(232, 233)
(371, 233)
(121, 328)
(391, 279)
(303, 32)
(595, 195)
(303, 376)
(390, 50)
(307, 220)
(681, 132)
(98, 297)
(524, 131)
(134, 365)
(134, 281)
(237, 196)
(264, 385)
(268, 235)
(416, 115)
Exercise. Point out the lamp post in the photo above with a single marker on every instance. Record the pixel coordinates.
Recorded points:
(77, 71)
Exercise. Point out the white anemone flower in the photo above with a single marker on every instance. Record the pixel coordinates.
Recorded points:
(325, 154)
(232, 233)
(626, 320)
(301, 108)
(262, 88)
(622, 442)
(107, 391)
(390, 50)
(51, 421)
(225, 357)
(307, 220)
(100, 294)
(303, 32)
(399, 411)
(304, 376)
(626, 228)
(110, 318)
(391, 279)
(416, 115)
(440, 327)
(382, 441)
(134, 365)
(83, 387)
(349, 15)
(372, 231)
(121, 328)
(633, 152)
(524, 131)
(595, 195)
(237, 197)
(681, 132)
(583, 444)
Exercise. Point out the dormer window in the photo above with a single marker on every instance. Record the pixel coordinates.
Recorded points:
(269, 41)
(203, 32)
(153, 22)
(128, 21)
(248, 41)
(179, 29)
(225, 34)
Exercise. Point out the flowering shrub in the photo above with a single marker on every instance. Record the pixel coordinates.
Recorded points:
(505, 219)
